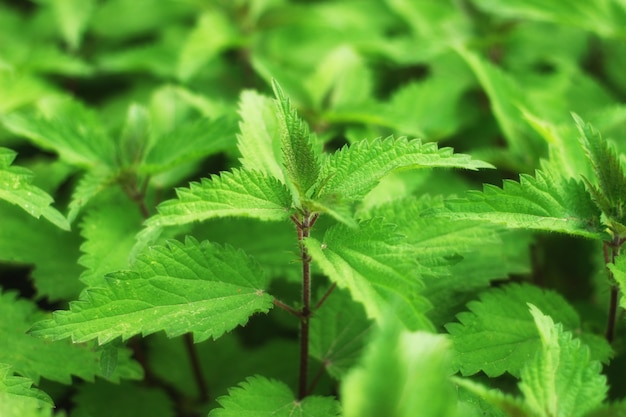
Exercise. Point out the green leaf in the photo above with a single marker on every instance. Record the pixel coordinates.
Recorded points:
(238, 193)
(353, 171)
(544, 202)
(402, 374)
(201, 288)
(372, 263)
(611, 181)
(67, 128)
(58, 361)
(109, 231)
(52, 252)
(258, 142)
(299, 157)
(339, 332)
(189, 142)
(561, 380)
(618, 269)
(103, 399)
(512, 406)
(262, 397)
(92, 183)
(16, 188)
(498, 335)
(18, 398)
(72, 17)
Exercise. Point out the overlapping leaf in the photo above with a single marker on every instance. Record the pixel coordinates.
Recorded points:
(372, 263)
(18, 398)
(262, 397)
(543, 202)
(58, 361)
(498, 334)
(561, 380)
(354, 170)
(338, 333)
(190, 287)
(238, 193)
(16, 188)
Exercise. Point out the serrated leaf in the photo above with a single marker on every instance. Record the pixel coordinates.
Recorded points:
(512, 406)
(16, 188)
(402, 374)
(561, 380)
(58, 361)
(354, 170)
(67, 128)
(258, 142)
(338, 333)
(262, 397)
(52, 252)
(498, 333)
(92, 183)
(191, 287)
(618, 269)
(16, 391)
(103, 399)
(543, 202)
(371, 262)
(609, 173)
(241, 193)
(189, 142)
(299, 157)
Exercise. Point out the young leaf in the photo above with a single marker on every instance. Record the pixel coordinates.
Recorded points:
(16, 188)
(300, 159)
(401, 375)
(338, 333)
(59, 361)
(18, 398)
(561, 380)
(499, 334)
(262, 397)
(258, 142)
(354, 170)
(543, 202)
(510, 406)
(201, 288)
(90, 184)
(238, 193)
(610, 192)
(72, 17)
(372, 263)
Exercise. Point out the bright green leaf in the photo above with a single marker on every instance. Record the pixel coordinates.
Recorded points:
(18, 398)
(371, 262)
(353, 171)
(16, 188)
(299, 157)
(561, 380)
(198, 288)
(262, 397)
(402, 374)
(72, 17)
(543, 202)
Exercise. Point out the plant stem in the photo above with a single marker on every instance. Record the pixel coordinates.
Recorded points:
(287, 308)
(611, 250)
(326, 295)
(304, 228)
(195, 367)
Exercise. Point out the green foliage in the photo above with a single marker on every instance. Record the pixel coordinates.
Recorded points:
(281, 207)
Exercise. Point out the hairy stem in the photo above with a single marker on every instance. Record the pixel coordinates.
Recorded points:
(611, 250)
(326, 295)
(196, 368)
(287, 308)
(303, 226)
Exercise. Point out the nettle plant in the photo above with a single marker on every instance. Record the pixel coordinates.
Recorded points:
(370, 295)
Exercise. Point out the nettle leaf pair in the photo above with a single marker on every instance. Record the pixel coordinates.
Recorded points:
(208, 289)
